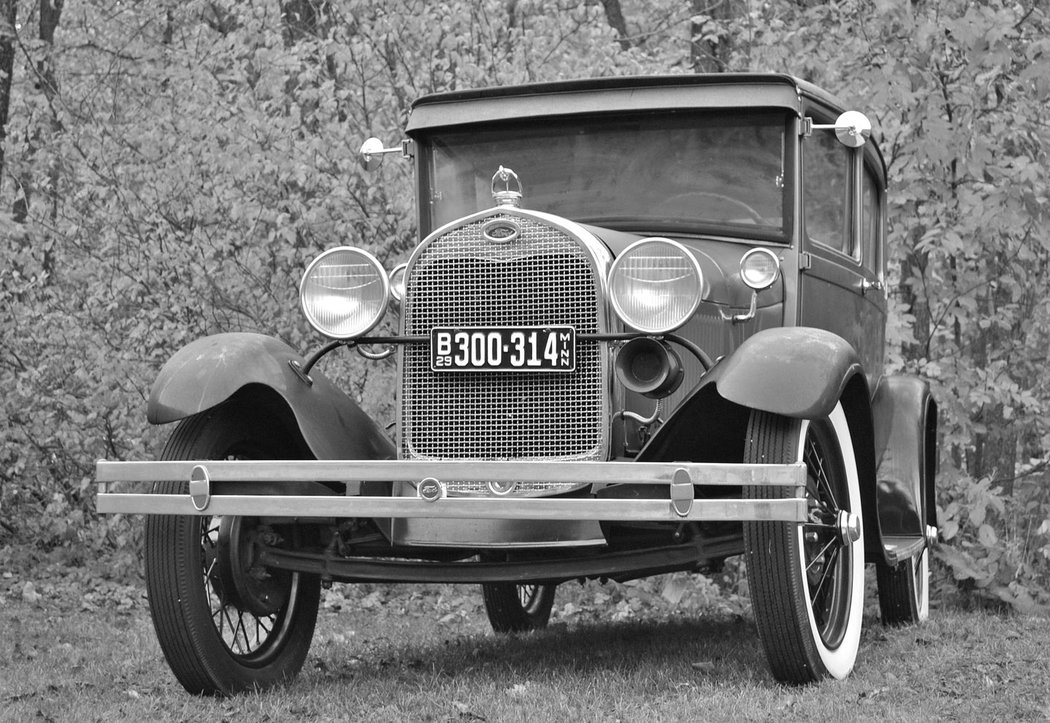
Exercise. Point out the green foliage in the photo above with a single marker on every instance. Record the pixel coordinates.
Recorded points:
(959, 92)
(190, 158)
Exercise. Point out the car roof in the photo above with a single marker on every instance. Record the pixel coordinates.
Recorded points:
(616, 94)
(621, 94)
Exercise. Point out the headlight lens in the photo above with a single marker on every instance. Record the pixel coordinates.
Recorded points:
(759, 268)
(344, 292)
(655, 285)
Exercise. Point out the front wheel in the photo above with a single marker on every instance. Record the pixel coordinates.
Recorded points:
(807, 579)
(515, 608)
(225, 624)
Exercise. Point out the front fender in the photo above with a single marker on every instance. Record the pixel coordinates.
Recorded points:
(209, 371)
(792, 371)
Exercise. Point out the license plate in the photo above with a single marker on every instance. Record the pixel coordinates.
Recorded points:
(503, 349)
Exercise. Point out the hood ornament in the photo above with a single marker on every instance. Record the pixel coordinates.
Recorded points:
(510, 193)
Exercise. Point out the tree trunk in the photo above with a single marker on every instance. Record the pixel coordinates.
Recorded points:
(709, 54)
(614, 16)
(995, 448)
(50, 13)
(8, 13)
(301, 19)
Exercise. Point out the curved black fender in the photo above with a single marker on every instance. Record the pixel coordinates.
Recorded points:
(905, 416)
(793, 371)
(211, 370)
(797, 372)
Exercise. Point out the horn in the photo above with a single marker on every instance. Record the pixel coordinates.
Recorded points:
(649, 367)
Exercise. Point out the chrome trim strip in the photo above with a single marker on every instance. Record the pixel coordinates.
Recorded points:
(581, 473)
(678, 476)
(789, 510)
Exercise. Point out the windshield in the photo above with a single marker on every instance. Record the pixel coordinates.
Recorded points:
(718, 172)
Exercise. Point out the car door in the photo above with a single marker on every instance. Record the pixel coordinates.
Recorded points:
(842, 281)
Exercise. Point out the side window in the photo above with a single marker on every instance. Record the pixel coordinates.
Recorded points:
(870, 221)
(826, 186)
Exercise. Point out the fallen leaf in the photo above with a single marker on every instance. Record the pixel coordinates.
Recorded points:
(674, 590)
(569, 609)
(518, 690)
(29, 594)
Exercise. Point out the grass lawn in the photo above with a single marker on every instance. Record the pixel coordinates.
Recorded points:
(77, 651)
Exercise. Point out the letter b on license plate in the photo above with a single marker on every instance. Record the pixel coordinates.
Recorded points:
(503, 349)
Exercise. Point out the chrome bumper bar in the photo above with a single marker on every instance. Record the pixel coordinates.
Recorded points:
(428, 499)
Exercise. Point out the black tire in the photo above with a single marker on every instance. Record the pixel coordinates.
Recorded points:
(518, 608)
(807, 579)
(904, 590)
(215, 642)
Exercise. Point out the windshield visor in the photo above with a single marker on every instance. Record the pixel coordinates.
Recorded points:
(710, 172)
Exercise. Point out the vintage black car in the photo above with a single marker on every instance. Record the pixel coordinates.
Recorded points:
(643, 331)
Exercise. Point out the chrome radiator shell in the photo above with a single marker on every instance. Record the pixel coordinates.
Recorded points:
(552, 273)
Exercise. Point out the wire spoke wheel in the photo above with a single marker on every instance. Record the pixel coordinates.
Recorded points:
(904, 589)
(807, 579)
(225, 623)
(515, 608)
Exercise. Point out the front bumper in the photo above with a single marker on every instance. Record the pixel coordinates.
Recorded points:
(423, 479)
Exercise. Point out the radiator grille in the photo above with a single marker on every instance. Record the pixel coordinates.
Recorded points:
(545, 277)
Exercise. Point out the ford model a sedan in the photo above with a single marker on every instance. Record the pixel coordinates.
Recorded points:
(643, 332)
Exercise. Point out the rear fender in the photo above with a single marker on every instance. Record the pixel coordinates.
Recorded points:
(905, 418)
(209, 371)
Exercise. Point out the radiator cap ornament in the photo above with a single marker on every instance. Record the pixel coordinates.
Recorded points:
(510, 192)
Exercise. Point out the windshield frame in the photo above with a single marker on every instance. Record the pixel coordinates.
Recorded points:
(430, 140)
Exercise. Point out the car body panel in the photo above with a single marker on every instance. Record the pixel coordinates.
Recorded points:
(905, 417)
(209, 371)
(794, 371)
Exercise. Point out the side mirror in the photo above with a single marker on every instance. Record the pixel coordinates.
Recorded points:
(373, 150)
(852, 128)
(372, 154)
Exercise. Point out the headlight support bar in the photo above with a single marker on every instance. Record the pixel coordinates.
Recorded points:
(303, 370)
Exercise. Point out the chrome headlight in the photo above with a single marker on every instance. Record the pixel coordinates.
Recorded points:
(655, 285)
(344, 292)
(397, 282)
(759, 268)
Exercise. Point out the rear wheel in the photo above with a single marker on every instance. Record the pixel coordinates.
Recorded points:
(807, 579)
(515, 608)
(904, 590)
(225, 624)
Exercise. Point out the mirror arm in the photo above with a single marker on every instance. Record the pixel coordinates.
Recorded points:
(373, 150)
(808, 126)
(851, 128)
